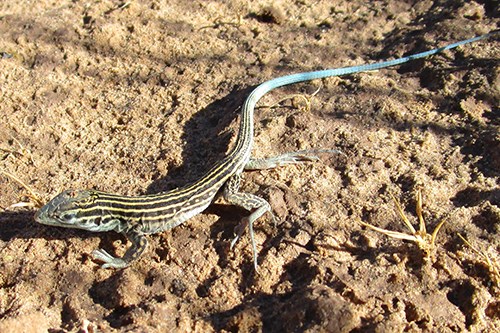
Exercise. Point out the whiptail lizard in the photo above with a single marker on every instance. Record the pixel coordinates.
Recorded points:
(137, 216)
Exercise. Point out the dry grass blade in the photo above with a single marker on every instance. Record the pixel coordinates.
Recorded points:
(426, 242)
(421, 222)
(393, 234)
(220, 22)
(403, 216)
(487, 261)
(36, 200)
(306, 98)
(19, 153)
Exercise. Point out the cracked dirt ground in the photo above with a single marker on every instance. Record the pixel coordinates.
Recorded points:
(142, 96)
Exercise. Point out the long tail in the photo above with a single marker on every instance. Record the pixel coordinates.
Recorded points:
(267, 86)
(245, 135)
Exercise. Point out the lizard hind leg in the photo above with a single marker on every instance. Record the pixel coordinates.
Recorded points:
(257, 205)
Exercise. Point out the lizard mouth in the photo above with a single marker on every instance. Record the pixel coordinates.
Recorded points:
(47, 214)
(39, 214)
(43, 215)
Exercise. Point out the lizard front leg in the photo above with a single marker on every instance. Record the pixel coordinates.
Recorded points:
(139, 244)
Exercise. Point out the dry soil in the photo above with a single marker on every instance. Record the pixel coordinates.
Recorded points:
(138, 97)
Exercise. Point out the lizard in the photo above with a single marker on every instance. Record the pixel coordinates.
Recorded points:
(138, 216)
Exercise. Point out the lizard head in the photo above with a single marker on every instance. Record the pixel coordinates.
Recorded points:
(67, 209)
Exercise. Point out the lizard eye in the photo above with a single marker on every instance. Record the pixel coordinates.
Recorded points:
(67, 217)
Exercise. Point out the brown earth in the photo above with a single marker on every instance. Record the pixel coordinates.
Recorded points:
(143, 96)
